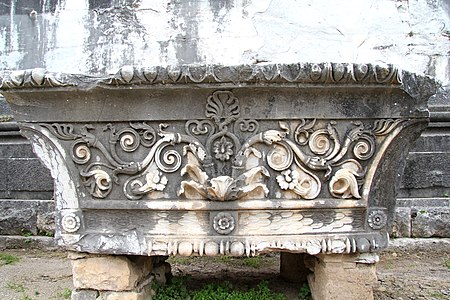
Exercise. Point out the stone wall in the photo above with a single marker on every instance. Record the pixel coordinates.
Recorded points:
(96, 37)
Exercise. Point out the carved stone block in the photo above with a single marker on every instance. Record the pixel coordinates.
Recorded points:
(215, 160)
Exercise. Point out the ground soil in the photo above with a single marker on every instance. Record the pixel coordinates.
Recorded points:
(409, 269)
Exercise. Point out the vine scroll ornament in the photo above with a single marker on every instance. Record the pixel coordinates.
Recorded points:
(225, 157)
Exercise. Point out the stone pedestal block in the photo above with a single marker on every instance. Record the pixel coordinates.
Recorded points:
(339, 277)
(84, 295)
(144, 294)
(110, 273)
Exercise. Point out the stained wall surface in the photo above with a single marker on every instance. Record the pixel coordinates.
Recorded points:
(97, 37)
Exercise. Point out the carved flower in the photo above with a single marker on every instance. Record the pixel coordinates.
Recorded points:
(223, 149)
(155, 181)
(71, 222)
(377, 219)
(297, 182)
(223, 223)
(288, 179)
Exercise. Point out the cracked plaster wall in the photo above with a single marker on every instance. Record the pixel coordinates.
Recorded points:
(99, 36)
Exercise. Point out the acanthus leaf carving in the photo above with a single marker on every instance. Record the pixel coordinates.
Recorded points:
(224, 188)
(344, 183)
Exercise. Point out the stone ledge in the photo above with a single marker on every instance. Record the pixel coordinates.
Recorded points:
(422, 222)
(31, 242)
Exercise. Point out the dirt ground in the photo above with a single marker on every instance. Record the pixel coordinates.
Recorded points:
(409, 269)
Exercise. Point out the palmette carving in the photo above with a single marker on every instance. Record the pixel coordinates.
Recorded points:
(225, 157)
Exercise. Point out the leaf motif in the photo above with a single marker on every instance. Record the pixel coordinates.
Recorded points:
(222, 107)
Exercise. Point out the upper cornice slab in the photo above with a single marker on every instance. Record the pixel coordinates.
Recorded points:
(364, 75)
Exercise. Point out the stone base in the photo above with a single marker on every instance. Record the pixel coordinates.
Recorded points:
(145, 294)
(339, 276)
(111, 277)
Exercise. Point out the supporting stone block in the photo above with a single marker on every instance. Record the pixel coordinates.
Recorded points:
(84, 295)
(109, 272)
(144, 294)
(292, 267)
(339, 276)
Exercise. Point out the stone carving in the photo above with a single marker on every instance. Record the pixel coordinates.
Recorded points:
(250, 247)
(71, 222)
(342, 73)
(223, 160)
(226, 157)
(297, 222)
(34, 78)
(223, 188)
(223, 223)
(299, 73)
(377, 219)
(344, 182)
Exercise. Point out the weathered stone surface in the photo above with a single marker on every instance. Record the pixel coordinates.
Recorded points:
(5, 111)
(207, 171)
(337, 277)
(17, 148)
(110, 273)
(29, 174)
(84, 295)
(45, 222)
(402, 222)
(31, 242)
(18, 217)
(408, 34)
(3, 178)
(145, 294)
(162, 272)
(430, 222)
(24, 176)
(437, 174)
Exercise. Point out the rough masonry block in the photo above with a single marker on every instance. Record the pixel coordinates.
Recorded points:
(337, 277)
(108, 272)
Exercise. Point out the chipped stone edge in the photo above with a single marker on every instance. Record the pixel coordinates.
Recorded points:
(306, 73)
(326, 73)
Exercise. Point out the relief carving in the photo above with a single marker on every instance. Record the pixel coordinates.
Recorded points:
(225, 157)
(306, 73)
(35, 78)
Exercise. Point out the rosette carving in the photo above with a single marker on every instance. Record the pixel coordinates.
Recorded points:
(377, 219)
(70, 222)
(223, 223)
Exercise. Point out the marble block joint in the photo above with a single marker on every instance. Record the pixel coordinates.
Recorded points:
(217, 160)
